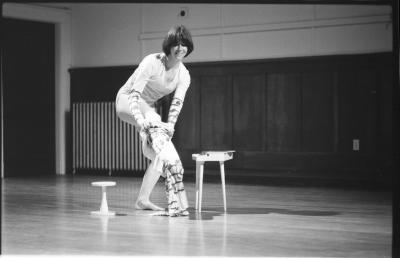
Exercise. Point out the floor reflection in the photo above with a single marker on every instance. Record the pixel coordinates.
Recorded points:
(208, 213)
(103, 219)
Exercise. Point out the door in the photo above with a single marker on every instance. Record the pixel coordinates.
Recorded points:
(28, 101)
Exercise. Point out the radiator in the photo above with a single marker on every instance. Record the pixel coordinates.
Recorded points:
(101, 141)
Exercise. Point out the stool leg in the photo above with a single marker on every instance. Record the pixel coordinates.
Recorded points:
(201, 170)
(222, 169)
(197, 184)
(104, 205)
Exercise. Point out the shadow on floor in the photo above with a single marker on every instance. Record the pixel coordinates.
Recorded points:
(210, 213)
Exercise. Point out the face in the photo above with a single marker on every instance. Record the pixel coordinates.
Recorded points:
(178, 52)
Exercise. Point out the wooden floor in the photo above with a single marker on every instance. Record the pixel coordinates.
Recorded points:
(51, 215)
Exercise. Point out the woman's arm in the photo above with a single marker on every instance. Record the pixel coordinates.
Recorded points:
(174, 110)
(133, 100)
(177, 101)
(135, 89)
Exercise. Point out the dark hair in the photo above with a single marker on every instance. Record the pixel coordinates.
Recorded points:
(177, 35)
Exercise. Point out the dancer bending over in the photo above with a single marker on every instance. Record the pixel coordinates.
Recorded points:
(158, 75)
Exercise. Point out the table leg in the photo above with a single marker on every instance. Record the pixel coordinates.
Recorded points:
(197, 184)
(104, 205)
(222, 168)
(201, 170)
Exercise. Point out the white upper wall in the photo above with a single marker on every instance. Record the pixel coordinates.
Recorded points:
(105, 34)
(122, 34)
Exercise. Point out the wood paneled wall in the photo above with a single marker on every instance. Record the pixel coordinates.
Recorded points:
(293, 114)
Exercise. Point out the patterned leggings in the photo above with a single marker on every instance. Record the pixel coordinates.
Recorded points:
(174, 188)
(160, 151)
(167, 162)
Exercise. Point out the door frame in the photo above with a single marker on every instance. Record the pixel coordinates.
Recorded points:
(62, 20)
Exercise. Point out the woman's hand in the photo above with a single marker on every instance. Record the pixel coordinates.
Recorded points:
(144, 125)
(170, 129)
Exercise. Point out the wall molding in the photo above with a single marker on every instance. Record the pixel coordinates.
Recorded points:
(292, 25)
(35, 12)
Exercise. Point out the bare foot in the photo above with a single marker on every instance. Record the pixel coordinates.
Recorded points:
(184, 213)
(147, 205)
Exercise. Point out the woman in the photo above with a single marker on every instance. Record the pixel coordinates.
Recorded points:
(158, 75)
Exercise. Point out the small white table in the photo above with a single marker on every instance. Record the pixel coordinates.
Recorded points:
(221, 157)
(104, 206)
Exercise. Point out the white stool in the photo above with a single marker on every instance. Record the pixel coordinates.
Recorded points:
(103, 207)
(200, 159)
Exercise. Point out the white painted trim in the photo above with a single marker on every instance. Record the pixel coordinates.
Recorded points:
(280, 56)
(35, 12)
(292, 25)
(62, 20)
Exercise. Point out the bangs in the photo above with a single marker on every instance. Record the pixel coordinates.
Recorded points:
(178, 35)
(181, 38)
